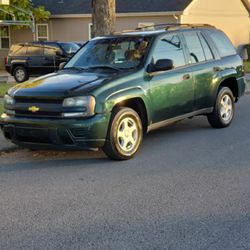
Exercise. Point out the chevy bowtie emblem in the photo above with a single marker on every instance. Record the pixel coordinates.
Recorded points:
(34, 109)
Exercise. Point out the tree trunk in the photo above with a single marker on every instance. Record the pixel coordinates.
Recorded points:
(103, 17)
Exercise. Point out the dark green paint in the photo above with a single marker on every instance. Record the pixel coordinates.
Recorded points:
(165, 95)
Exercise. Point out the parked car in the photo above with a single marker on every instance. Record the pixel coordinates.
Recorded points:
(117, 88)
(80, 43)
(37, 58)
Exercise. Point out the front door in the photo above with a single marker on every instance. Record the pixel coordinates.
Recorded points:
(171, 92)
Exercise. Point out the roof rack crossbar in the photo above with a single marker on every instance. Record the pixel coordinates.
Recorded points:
(168, 26)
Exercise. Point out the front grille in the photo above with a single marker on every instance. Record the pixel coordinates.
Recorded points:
(47, 108)
(32, 100)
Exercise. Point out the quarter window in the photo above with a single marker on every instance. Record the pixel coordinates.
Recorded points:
(223, 44)
(195, 49)
(170, 47)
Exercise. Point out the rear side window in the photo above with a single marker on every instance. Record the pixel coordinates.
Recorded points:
(196, 51)
(34, 51)
(223, 44)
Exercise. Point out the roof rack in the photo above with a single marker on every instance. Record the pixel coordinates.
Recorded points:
(169, 26)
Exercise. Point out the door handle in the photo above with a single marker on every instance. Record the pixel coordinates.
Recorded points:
(186, 77)
(217, 69)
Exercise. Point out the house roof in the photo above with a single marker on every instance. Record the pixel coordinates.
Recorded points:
(62, 7)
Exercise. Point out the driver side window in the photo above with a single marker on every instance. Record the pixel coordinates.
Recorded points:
(170, 47)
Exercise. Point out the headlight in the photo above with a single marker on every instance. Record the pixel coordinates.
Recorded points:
(85, 102)
(8, 100)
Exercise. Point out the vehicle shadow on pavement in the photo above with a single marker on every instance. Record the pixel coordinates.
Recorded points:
(60, 161)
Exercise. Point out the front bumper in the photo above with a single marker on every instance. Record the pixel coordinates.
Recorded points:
(63, 134)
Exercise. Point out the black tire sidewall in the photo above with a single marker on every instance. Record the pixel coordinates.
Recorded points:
(118, 115)
(25, 73)
(222, 92)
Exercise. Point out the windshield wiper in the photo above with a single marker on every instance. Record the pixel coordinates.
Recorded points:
(74, 68)
(104, 66)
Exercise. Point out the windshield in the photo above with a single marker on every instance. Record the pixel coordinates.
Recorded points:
(120, 53)
(70, 48)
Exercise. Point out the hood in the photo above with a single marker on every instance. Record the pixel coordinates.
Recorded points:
(60, 84)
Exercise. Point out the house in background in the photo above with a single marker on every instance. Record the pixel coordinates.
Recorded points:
(71, 19)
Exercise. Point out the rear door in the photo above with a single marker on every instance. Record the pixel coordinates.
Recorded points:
(172, 91)
(35, 59)
(204, 65)
(50, 63)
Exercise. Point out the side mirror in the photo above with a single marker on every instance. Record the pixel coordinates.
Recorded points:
(61, 65)
(162, 65)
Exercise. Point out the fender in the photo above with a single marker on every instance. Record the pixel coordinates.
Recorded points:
(220, 77)
(125, 94)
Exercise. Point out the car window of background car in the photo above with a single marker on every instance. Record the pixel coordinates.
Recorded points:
(170, 47)
(70, 48)
(34, 51)
(49, 51)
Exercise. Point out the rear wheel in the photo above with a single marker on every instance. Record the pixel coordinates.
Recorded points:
(125, 134)
(224, 109)
(20, 74)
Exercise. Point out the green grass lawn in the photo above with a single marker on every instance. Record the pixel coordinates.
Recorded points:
(3, 89)
(1, 107)
(247, 67)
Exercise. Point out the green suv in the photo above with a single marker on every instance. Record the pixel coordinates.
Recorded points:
(117, 88)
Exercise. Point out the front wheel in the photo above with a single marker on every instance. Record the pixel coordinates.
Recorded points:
(224, 109)
(125, 134)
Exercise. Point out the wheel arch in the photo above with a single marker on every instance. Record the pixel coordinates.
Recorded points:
(137, 104)
(18, 64)
(232, 84)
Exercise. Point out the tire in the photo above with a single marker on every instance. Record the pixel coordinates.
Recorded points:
(125, 134)
(224, 109)
(20, 74)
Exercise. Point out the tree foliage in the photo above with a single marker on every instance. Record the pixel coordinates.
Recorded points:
(39, 12)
